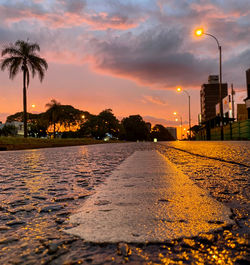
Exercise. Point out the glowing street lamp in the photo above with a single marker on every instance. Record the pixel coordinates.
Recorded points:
(185, 132)
(200, 32)
(179, 89)
(32, 108)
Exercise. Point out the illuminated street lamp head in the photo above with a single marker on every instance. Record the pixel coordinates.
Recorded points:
(199, 32)
(83, 116)
(179, 89)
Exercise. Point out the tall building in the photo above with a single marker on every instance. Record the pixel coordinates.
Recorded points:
(210, 96)
(248, 82)
(247, 100)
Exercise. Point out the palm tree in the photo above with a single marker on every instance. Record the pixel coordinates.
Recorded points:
(22, 56)
(53, 113)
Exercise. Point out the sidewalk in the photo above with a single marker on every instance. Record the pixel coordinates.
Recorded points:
(147, 199)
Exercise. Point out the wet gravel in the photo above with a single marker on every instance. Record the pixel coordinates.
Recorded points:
(39, 189)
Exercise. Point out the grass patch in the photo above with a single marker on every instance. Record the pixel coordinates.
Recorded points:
(20, 143)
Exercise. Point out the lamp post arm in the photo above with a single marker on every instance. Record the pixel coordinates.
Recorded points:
(214, 38)
(186, 92)
(220, 84)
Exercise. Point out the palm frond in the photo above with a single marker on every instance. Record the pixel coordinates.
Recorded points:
(5, 63)
(38, 69)
(34, 47)
(52, 103)
(24, 53)
(38, 60)
(11, 50)
(32, 68)
(15, 67)
(38, 65)
(20, 43)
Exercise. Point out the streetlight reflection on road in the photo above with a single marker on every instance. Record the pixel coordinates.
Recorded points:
(199, 32)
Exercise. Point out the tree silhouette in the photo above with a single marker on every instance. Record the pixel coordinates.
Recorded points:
(98, 125)
(22, 56)
(135, 128)
(161, 133)
(53, 113)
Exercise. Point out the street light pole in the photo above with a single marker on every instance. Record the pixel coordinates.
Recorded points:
(199, 32)
(189, 109)
(189, 113)
(181, 127)
(221, 106)
(175, 113)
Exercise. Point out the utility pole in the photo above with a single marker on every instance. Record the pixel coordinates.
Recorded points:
(232, 93)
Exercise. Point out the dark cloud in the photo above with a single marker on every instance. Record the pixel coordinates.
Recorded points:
(243, 59)
(241, 6)
(235, 69)
(165, 55)
(152, 57)
(116, 14)
(70, 13)
(10, 9)
(72, 6)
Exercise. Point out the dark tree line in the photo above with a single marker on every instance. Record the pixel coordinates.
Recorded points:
(99, 126)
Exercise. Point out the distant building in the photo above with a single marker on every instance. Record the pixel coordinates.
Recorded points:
(213, 79)
(210, 96)
(242, 113)
(172, 131)
(18, 125)
(247, 100)
(227, 107)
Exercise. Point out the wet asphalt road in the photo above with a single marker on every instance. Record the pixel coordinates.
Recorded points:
(39, 189)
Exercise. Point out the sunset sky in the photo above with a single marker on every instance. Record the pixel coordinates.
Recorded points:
(127, 55)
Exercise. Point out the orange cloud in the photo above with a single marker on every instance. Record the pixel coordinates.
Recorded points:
(210, 11)
(97, 21)
(64, 57)
(155, 100)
